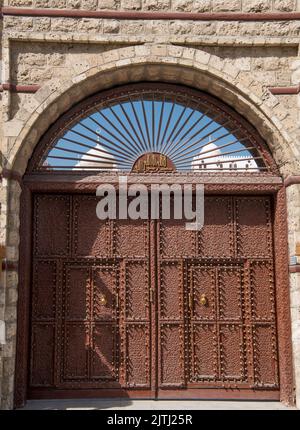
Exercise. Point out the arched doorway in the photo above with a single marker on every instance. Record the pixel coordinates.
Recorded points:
(148, 308)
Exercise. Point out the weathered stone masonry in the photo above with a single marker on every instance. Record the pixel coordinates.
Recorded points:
(68, 58)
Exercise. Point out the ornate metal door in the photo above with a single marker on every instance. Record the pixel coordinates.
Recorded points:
(90, 313)
(216, 302)
(149, 308)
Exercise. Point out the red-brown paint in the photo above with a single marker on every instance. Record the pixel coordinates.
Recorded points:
(15, 88)
(11, 175)
(285, 90)
(109, 14)
(292, 180)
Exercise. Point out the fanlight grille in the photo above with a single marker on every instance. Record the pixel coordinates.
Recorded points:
(190, 128)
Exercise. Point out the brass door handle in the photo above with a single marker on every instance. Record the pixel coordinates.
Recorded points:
(117, 300)
(203, 300)
(102, 300)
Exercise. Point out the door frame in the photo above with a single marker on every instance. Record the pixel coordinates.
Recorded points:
(250, 185)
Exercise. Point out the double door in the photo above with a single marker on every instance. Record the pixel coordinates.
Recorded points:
(149, 308)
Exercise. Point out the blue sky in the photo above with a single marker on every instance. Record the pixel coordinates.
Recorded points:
(129, 129)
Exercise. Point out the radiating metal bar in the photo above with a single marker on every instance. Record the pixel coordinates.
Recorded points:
(218, 169)
(114, 144)
(199, 132)
(183, 125)
(214, 141)
(220, 147)
(153, 125)
(228, 133)
(86, 146)
(160, 124)
(146, 123)
(130, 148)
(229, 161)
(177, 151)
(192, 152)
(112, 148)
(176, 154)
(168, 139)
(173, 146)
(72, 151)
(139, 125)
(79, 159)
(226, 169)
(77, 168)
(118, 120)
(112, 125)
(140, 145)
(90, 147)
(132, 128)
(222, 155)
(167, 126)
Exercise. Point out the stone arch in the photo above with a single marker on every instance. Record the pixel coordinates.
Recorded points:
(172, 64)
(187, 66)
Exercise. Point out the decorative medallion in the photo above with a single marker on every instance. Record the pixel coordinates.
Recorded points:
(153, 162)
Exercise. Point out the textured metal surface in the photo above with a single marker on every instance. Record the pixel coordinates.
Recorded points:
(228, 339)
(151, 306)
(90, 325)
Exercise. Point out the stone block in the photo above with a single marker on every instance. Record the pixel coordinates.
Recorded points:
(183, 5)
(226, 5)
(108, 4)
(256, 5)
(131, 4)
(284, 5)
(111, 26)
(157, 5)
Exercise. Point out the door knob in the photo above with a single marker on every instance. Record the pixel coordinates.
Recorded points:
(203, 300)
(102, 300)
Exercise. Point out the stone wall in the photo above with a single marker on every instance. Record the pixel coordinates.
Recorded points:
(70, 58)
(144, 29)
(165, 5)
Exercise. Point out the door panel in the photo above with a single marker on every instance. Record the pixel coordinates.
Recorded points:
(253, 221)
(131, 239)
(42, 355)
(75, 352)
(216, 238)
(171, 355)
(202, 281)
(204, 352)
(136, 290)
(152, 308)
(104, 359)
(176, 241)
(231, 352)
(51, 238)
(222, 352)
(137, 355)
(91, 236)
(265, 366)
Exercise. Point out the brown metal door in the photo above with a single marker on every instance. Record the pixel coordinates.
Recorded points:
(150, 309)
(216, 318)
(90, 323)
